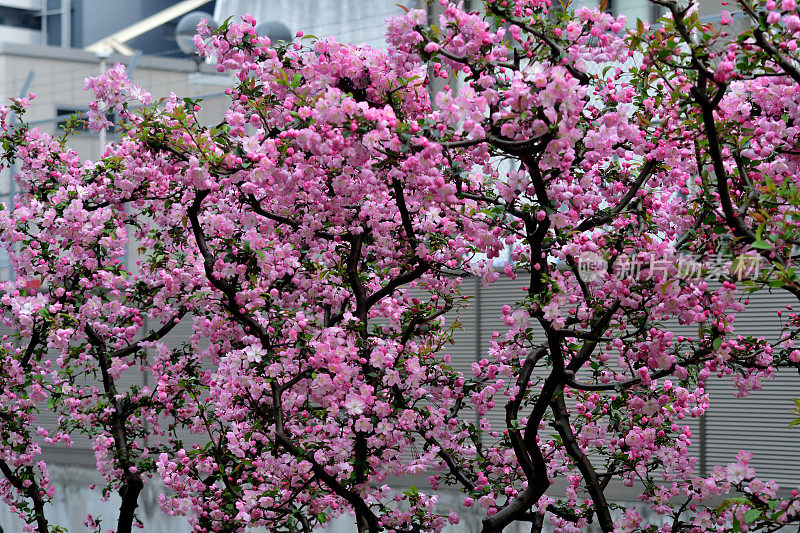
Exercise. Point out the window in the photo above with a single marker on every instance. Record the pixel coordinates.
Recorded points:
(20, 18)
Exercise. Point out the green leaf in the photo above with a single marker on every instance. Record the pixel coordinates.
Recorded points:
(717, 343)
(752, 515)
(666, 285)
(412, 491)
(761, 245)
(731, 501)
(224, 26)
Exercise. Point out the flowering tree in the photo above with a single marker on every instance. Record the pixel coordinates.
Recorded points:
(316, 240)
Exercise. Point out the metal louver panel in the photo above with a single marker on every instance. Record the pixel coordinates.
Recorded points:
(504, 291)
(761, 316)
(759, 422)
(176, 339)
(464, 350)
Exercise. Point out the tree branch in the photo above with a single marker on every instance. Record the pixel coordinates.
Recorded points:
(601, 218)
(156, 335)
(132, 483)
(340, 490)
(562, 425)
(33, 493)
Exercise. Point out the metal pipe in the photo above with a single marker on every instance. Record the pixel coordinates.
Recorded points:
(101, 137)
(45, 14)
(66, 23)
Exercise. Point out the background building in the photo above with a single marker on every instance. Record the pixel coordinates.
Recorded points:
(41, 51)
(42, 22)
(351, 21)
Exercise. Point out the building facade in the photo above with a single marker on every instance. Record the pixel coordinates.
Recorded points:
(43, 22)
(40, 52)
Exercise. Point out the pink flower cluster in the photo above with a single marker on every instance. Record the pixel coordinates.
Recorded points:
(315, 244)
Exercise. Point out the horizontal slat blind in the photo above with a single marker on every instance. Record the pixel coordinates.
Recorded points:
(504, 291)
(758, 423)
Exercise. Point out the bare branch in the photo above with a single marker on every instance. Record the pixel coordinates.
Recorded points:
(32, 491)
(604, 217)
(593, 486)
